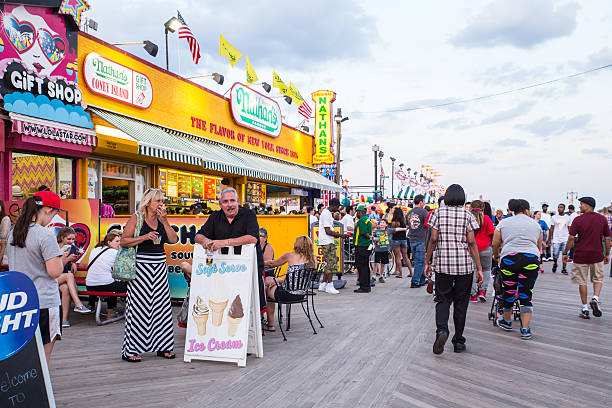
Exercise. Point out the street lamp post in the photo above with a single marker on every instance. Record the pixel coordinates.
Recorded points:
(339, 119)
(375, 149)
(170, 26)
(382, 181)
(392, 174)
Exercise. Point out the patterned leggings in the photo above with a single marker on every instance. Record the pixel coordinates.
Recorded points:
(519, 274)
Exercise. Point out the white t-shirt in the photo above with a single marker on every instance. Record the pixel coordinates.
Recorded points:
(348, 222)
(573, 216)
(325, 220)
(312, 219)
(546, 218)
(561, 232)
(100, 272)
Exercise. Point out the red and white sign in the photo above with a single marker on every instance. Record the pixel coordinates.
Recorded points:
(108, 78)
(52, 130)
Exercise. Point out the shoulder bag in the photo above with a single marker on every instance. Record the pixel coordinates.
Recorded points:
(124, 268)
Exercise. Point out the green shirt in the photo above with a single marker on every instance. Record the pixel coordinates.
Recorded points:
(363, 226)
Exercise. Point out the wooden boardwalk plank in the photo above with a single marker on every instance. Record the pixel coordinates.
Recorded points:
(374, 351)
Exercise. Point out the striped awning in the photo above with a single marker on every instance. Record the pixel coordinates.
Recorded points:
(152, 140)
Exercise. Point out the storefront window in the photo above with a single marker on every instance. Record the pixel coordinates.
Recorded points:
(121, 186)
(184, 190)
(32, 173)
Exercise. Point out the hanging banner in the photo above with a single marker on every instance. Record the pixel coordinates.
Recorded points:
(323, 127)
(223, 320)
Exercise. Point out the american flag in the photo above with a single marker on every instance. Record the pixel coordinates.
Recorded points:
(185, 32)
(305, 110)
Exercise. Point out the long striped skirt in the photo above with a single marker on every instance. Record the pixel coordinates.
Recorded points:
(148, 315)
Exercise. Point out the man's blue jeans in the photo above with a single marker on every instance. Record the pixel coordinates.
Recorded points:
(418, 261)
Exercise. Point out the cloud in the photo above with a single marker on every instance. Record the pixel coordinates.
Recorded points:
(466, 159)
(508, 114)
(457, 124)
(596, 151)
(511, 143)
(41, 106)
(546, 126)
(521, 23)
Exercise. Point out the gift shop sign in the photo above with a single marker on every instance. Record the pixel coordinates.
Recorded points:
(323, 127)
(107, 78)
(255, 111)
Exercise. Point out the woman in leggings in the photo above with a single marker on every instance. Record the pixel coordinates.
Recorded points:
(520, 239)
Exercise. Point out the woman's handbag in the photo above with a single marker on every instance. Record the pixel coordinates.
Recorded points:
(124, 268)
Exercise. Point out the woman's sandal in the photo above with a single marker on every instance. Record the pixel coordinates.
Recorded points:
(166, 354)
(269, 328)
(131, 359)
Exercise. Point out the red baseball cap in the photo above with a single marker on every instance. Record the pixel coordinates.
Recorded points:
(48, 199)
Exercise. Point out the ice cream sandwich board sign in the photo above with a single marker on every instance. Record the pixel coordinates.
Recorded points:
(223, 322)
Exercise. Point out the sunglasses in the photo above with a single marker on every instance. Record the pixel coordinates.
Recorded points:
(22, 35)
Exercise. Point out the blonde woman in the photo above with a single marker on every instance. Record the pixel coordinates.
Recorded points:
(148, 318)
(300, 259)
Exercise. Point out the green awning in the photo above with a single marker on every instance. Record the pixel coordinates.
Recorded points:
(152, 140)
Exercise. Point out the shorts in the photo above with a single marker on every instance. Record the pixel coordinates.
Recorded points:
(381, 257)
(558, 249)
(330, 258)
(580, 273)
(49, 324)
(283, 295)
(402, 243)
(269, 272)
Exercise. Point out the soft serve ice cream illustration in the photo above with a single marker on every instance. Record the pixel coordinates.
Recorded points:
(200, 315)
(234, 316)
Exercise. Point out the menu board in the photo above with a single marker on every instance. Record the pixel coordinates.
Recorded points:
(197, 187)
(255, 193)
(184, 185)
(172, 189)
(219, 188)
(162, 181)
(210, 188)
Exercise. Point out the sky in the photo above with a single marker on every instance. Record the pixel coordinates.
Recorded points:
(382, 57)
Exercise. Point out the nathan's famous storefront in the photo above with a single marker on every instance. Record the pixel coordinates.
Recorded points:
(155, 129)
(45, 133)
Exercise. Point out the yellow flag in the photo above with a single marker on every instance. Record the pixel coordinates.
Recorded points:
(278, 83)
(251, 75)
(295, 95)
(226, 49)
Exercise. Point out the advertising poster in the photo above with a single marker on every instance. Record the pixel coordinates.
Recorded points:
(338, 227)
(221, 305)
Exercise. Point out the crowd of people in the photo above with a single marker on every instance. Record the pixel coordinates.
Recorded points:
(452, 250)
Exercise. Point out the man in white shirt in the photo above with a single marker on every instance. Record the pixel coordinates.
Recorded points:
(328, 245)
(312, 218)
(348, 220)
(547, 218)
(573, 215)
(559, 231)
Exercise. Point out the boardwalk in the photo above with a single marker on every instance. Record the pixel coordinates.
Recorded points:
(375, 350)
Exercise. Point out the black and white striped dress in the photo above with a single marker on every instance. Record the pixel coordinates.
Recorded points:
(148, 318)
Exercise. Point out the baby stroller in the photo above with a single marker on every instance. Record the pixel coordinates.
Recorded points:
(497, 304)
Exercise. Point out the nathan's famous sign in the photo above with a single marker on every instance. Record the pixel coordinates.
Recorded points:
(323, 127)
(255, 111)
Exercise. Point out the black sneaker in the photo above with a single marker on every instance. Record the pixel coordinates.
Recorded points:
(554, 268)
(381, 279)
(414, 285)
(595, 306)
(564, 271)
(459, 347)
(585, 314)
(438, 346)
(507, 326)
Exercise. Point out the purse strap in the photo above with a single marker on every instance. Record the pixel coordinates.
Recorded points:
(97, 256)
(139, 220)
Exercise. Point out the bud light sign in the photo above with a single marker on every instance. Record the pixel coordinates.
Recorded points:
(19, 312)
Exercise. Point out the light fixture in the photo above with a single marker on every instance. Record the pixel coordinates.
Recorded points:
(170, 26)
(339, 119)
(381, 154)
(401, 166)
(305, 129)
(285, 97)
(92, 24)
(375, 148)
(218, 78)
(149, 46)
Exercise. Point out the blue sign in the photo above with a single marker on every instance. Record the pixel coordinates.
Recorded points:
(19, 312)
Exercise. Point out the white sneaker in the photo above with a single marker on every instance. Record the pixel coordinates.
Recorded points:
(330, 289)
(322, 286)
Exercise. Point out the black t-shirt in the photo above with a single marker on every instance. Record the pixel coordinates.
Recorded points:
(245, 223)
(148, 246)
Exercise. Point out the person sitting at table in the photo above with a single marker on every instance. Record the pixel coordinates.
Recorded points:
(99, 271)
(299, 260)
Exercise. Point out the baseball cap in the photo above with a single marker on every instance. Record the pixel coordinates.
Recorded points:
(48, 199)
(588, 201)
(362, 207)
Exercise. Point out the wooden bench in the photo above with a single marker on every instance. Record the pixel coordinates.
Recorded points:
(80, 281)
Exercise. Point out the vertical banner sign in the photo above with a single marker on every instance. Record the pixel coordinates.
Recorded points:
(25, 380)
(223, 320)
(339, 228)
(323, 127)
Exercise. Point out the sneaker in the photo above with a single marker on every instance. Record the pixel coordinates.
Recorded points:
(570, 260)
(474, 298)
(381, 279)
(82, 309)
(373, 279)
(585, 314)
(372, 284)
(564, 271)
(482, 296)
(322, 286)
(331, 289)
(507, 326)
(438, 346)
(526, 334)
(595, 306)
(554, 268)
(65, 323)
